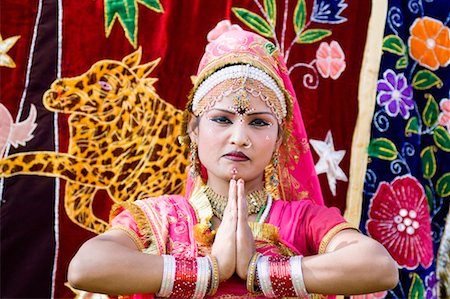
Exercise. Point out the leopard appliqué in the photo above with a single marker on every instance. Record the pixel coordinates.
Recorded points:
(123, 139)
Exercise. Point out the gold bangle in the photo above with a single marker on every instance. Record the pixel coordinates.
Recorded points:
(251, 272)
(215, 275)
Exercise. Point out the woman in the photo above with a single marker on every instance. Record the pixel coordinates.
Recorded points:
(252, 207)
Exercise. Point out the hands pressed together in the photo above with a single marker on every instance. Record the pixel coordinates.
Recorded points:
(234, 245)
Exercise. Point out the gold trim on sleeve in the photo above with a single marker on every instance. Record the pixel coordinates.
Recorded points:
(130, 233)
(331, 233)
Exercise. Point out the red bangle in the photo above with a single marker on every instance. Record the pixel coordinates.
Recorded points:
(185, 277)
(280, 276)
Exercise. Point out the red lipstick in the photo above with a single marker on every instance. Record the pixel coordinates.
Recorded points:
(236, 156)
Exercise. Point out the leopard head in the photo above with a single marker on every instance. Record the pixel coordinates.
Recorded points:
(104, 90)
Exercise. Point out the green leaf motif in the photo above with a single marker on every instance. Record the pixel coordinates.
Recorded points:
(401, 63)
(299, 16)
(430, 198)
(412, 127)
(153, 5)
(253, 21)
(428, 162)
(393, 44)
(382, 148)
(417, 290)
(430, 113)
(442, 138)
(424, 79)
(126, 12)
(443, 185)
(312, 35)
(270, 6)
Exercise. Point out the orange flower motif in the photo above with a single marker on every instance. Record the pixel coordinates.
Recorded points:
(429, 43)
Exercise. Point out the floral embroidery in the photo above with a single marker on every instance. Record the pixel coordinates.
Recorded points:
(399, 219)
(431, 283)
(395, 94)
(429, 43)
(444, 117)
(330, 60)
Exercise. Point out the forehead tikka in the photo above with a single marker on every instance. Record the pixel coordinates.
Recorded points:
(241, 101)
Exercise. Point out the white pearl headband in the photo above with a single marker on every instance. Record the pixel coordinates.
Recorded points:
(234, 72)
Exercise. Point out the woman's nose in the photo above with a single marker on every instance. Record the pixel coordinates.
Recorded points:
(239, 136)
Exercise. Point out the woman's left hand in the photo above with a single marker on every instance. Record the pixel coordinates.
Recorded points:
(245, 245)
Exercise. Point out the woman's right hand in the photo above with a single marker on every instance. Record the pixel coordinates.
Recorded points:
(224, 246)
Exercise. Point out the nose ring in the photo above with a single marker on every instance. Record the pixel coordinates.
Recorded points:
(248, 144)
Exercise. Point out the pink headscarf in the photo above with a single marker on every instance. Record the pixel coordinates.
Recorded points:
(230, 44)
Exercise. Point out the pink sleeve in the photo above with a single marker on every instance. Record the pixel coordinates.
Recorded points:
(125, 221)
(306, 226)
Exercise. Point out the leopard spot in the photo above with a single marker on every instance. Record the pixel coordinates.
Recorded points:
(16, 168)
(84, 172)
(168, 161)
(163, 133)
(156, 168)
(68, 174)
(36, 167)
(108, 174)
(117, 152)
(132, 188)
(28, 158)
(49, 168)
(92, 78)
(79, 85)
(5, 168)
(143, 177)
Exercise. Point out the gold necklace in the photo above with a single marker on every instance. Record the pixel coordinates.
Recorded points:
(255, 201)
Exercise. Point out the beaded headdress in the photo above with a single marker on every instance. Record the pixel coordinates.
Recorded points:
(233, 55)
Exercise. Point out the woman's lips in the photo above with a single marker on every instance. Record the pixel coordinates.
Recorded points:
(236, 156)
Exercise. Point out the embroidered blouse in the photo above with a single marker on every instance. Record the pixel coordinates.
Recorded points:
(165, 225)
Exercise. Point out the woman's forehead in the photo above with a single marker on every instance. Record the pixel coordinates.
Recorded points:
(230, 102)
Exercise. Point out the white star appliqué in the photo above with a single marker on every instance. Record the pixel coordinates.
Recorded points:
(329, 161)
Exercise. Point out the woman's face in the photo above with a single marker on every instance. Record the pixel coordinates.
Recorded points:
(236, 144)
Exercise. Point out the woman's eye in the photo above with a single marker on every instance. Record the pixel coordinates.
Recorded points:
(221, 120)
(259, 123)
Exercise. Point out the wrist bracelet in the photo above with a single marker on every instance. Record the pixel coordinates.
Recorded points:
(251, 272)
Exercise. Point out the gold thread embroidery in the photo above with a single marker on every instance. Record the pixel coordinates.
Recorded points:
(130, 233)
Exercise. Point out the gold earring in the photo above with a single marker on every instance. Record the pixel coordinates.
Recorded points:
(194, 170)
(271, 175)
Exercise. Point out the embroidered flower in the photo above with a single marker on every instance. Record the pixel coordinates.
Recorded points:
(330, 60)
(395, 94)
(221, 27)
(377, 295)
(431, 283)
(444, 117)
(399, 219)
(429, 43)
